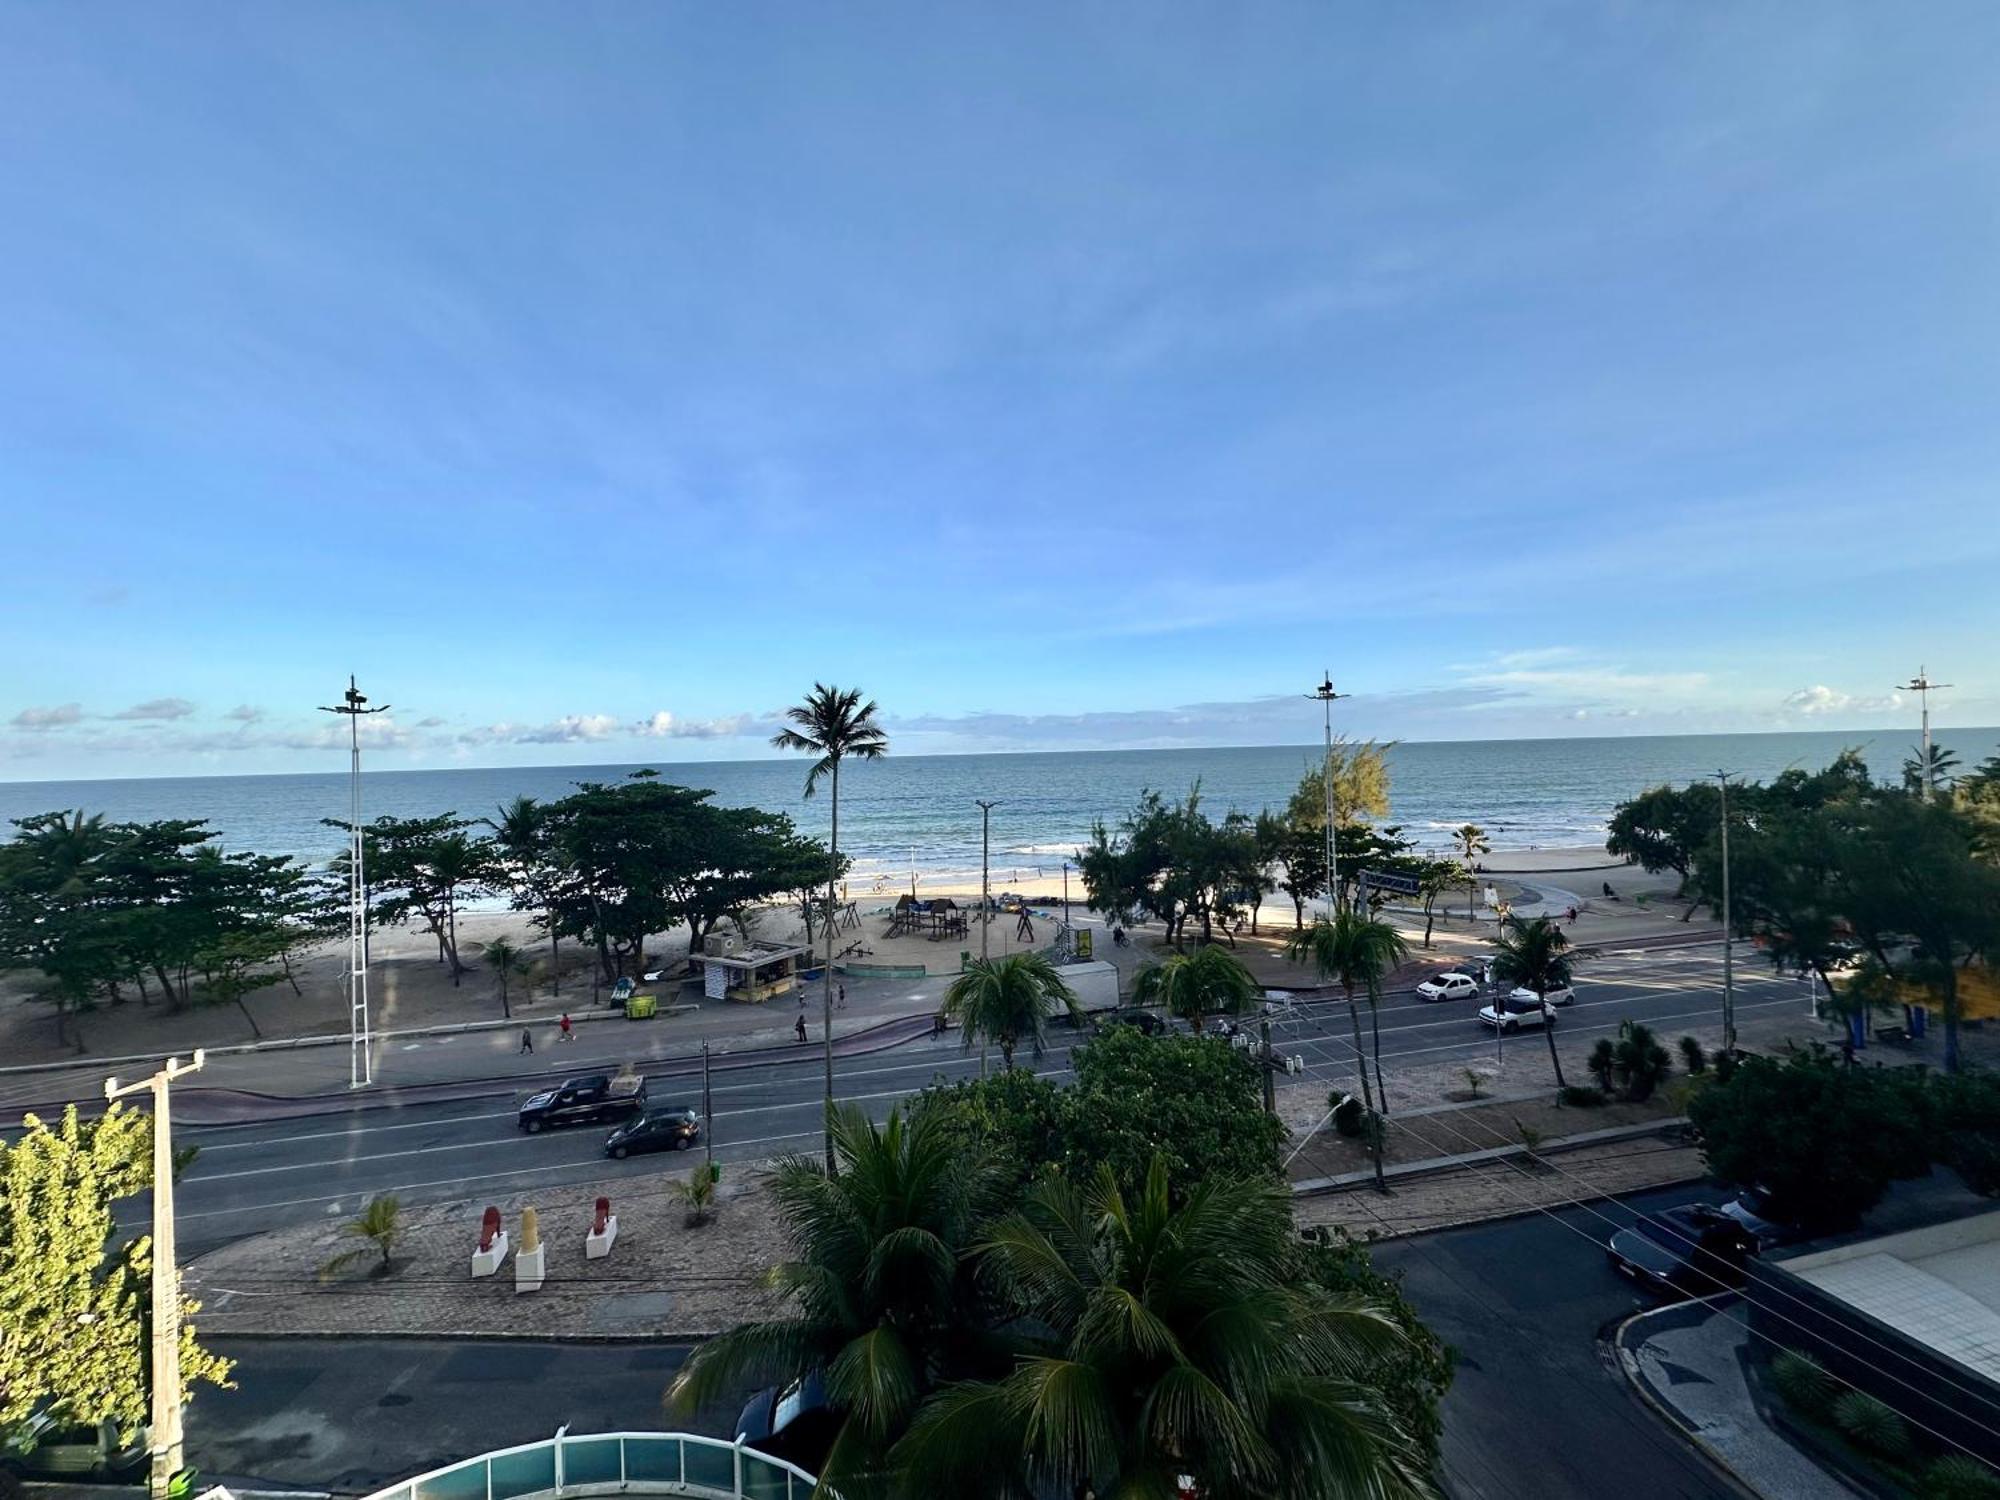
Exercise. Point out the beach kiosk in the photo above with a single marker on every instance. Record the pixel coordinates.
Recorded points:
(732, 969)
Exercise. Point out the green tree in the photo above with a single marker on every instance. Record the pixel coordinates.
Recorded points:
(524, 861)
(73, 1291)
(1663, 829)
(427, 868)
(1173, 863)
(508, 962)
(1470, 841)
(1820, 1140)
(1355, 951)
(1009, 999)
(1638, 1060)
(1166, 1342)
(1534, 953)
(1208, 981)
(379, 1227)
(881, 1300)
(1015, 1121)
(832, 724)
(1935, 773)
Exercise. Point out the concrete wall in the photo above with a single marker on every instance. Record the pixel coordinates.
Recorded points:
(1095, 983)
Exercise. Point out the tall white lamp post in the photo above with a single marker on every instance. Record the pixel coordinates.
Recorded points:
(361, 1063)
(1326, 695)
(1923, 687)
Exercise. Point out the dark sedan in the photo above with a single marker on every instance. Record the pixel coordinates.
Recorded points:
(673, 1129)
(1690, 1251)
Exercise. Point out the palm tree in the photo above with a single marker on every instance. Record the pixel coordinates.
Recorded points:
(507, 961)
(1533, 953)
(1166, 1342)
(521, 834)
(1008, 999)
(381, 1225)
(834, 724)
(1470, 841)
(1205, 982)
(1356, 951)
(880, 1293)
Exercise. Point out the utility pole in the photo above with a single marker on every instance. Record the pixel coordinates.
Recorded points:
(361, 1063)
(1270, 1084)
(985, 858)
(166, 1420)
(707, 1108)
(1923, 687)
(1326, 695)
(1728, 929)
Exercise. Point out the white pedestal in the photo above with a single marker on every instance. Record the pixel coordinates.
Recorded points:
(596, 1246)
(486, 1262)
(528, 1269)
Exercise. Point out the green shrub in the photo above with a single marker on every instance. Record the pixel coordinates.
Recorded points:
(1582, 1097)
(1601, 1061)
(1958, 1477)
(1349, 1116)
(1692, 1057)
(1975, 1154)
(1872, 1425)
(1806, 1388)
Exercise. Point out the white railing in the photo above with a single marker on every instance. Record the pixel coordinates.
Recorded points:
(611, 1463)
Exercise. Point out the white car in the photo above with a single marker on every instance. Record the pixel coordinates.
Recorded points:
(1516, 1015)
(1526, 996)
(1448, 987)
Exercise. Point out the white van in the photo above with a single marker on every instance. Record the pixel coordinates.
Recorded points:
(44, 1445)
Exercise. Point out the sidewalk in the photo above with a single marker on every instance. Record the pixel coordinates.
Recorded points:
(1687, 1361)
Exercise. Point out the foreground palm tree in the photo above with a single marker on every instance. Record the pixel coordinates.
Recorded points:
(1533, 953)
(1008, 999)
(1166, 1343)
(1470, 841)
(880, 1297)
(521, 835)
(1356, 951)
(1208, 981)
(833, 724)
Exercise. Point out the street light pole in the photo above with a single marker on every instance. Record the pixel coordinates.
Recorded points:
(1728, 929)
(985, 858)
(361, 1063)
(1326, 695)
(1922, 686)
(165, 1445)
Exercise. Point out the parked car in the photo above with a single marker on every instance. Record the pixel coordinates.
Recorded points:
(45, 1447)
(1147, 1022)
(1452, 986)
(1690, 1251)
(672, 1129)
(1752, 1210)
(792, 1422)
(583, 1101)
(1563, 995)
(1512, 1014)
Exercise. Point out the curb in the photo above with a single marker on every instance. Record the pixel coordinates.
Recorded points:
(1342, 1182)
(1628, 1362)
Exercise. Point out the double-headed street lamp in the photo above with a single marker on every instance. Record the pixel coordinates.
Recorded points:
(1728, 928)
(985, 861)
(361, 1065)
(1326, 695)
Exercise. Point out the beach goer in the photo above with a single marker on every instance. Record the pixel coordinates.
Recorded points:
(1572, 913)
(563, 1032)
(527, 1042)
(800, 1028)
(840, 997)
(937, 1024)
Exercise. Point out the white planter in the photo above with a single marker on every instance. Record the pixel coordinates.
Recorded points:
(596, 1246)
(486, 1262)
(528, 1269)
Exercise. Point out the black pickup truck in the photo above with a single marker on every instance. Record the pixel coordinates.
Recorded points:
(583, 1101)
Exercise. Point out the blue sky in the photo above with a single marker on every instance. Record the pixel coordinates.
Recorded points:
(1063, 375)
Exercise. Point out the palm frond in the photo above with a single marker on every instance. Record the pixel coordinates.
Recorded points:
(874, 1379)
(749, 1354)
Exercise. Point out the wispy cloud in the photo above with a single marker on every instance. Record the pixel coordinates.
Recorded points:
(158, 710)
(1821, 699)
(244, 713)
(59, 716)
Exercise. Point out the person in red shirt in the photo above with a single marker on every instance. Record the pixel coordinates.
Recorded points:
(563, 1027)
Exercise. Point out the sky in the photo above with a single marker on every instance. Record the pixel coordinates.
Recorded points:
(590, 380)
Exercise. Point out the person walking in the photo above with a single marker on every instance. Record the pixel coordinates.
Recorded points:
(527, 1042)
(840, 997)
(563, 1032)
(800, 1028)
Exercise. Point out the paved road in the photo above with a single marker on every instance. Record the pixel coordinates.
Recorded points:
(265, 1174)
(1538, 1407)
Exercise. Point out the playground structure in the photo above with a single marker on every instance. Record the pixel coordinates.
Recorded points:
(937, 919)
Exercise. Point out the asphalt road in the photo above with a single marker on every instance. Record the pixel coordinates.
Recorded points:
(261, 1175)
(1539, 1407)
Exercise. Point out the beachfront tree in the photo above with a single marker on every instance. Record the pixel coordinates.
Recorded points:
(427, 868)
(1171, 862)
(618, 846)
(1533, 952)
(524, 862)
(1664, 829)
(508, 963)
(1165, 1342)
(1434, 878)
(881, 1301)
(1469, 839)
(833, 724)
(1208, 981)
(1935, 774)
(1008, 1000)
(732, 860)
(1356, 951)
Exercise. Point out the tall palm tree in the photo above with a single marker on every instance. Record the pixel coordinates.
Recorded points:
(833, 724)
(1166, 1342)
(880, 1293)
(1356, 951)
(1533, 953)
(1470, 841)
(1008, 999)
(520, 834)
(1208, 981)
(507, 962)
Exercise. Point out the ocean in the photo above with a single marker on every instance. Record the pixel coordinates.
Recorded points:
(907, 813)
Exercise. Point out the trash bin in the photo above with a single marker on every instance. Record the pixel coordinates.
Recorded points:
(641, 1007)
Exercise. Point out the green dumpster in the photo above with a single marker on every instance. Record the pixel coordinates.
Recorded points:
(641, 1007)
